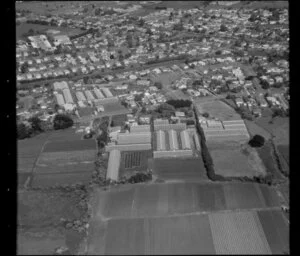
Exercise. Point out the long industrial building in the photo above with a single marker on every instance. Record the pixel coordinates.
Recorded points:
(166, 127)
(89, 95)
(98, 93)
(160, 121)
(59, 99)
(80, 96)
(107, 92)
(68, 96)
(160, 140)
(140, 128)
(113, 165)
(185, 140)
(134, 138)
(173, 141)
(176, 153)
(129, 147)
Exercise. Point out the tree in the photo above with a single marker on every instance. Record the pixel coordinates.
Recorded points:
(36, 124)
(218, 52)
(97, 11)
(24, 67)
(23, 131)
(223, 28)
(257, 141)
(62, 121)
(264, 84)
(206, 115)
(158, 85)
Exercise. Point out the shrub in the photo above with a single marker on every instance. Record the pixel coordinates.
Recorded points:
(23, 131)
(62, 121)
(257, 141)
(36, 124)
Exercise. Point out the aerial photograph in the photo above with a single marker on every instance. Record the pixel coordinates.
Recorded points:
(152, 127)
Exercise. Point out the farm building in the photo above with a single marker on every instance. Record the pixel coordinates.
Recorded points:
(160, 140)
(89, 95)
(107, 92)
(113, 165)
(98, 93)
(140, 128)
(59, 99)
(105, 100)
(60, 85)
(136, 138)
(185, 140)
(177, 153)
(166, 127)
(160, 121)
(80, 96)
(68, 96)
(129, 147)
(173, 140)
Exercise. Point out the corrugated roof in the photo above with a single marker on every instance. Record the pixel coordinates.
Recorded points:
(173, 141)
(185, 140)
(160, 140)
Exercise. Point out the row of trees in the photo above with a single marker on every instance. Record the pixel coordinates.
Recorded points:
(35, 125)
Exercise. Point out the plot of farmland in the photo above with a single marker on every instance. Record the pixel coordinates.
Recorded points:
(276, 229)
(179, 169)
(65, 135)
(132, 161)
(285, 152)
(51, 179)
(166, 78)
(237, 233)
(176, 198)
(177, 95)
(66, 167)
(68, 157)
(75, 145)
(254, 129)
(217, 109)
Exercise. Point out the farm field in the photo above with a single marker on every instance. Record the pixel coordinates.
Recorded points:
(237, 233)
(267, 156)
(217, 109)
(74, 145)
(166, 79)
(51, 179)
(65, 135)
(177, 95)
(65, 167)
(118, 120)
(237, 162)
(285, 152)
(279, 128)
(147, 219)
(40, 230)
(111, 109)
(254, 129)
(132, 161)
(276, 235)
(61, 158)
(25, 27)
(177, 198)
(179, 169)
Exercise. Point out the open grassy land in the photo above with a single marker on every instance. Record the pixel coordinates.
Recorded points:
(217, 109)
(165, 78)
(237, 162)
(254, 129)
(41, 222)
(114, 108)
(177, 95)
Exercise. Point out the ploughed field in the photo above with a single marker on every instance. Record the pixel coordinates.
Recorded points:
(187, 169)
(187, 218)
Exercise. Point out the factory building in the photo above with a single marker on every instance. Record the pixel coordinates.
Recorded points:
(173, 141)
(160, 121)
(140, 128)
(107, 92)
(80, 96)
(68, 96)
(160, 140)
(128, 147)
(98, 93)
(89, 95)
(134, 138)
(59, 99)
(185, 140)
(166, 127)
